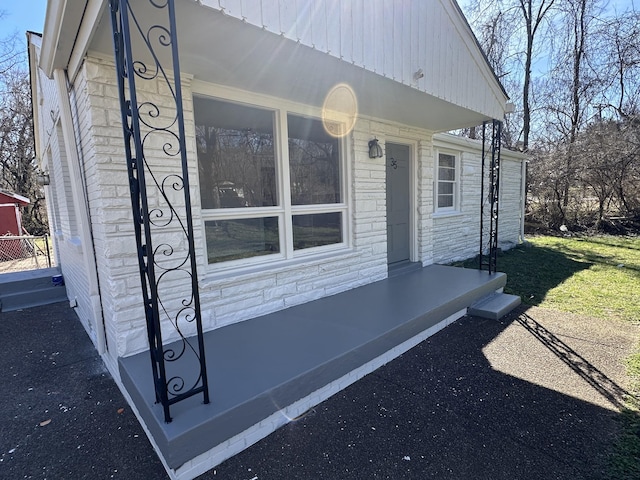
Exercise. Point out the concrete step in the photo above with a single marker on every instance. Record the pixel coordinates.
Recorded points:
(19, 281)
(30, 289)
(32, 298)
(494, 306)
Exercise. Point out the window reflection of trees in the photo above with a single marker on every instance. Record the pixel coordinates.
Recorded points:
(314, 163)
(237, 167)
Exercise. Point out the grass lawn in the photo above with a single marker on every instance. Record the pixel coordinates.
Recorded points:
(594, 276)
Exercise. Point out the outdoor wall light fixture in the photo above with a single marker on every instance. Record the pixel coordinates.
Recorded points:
(43, 179)
(375, 150)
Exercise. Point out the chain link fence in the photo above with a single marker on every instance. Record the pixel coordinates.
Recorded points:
(18, 253)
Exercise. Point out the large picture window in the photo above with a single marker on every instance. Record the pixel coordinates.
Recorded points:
(236, 155)
(447, 182)
(266, 195)
(314, 162)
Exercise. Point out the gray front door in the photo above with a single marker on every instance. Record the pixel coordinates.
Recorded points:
(398, 226)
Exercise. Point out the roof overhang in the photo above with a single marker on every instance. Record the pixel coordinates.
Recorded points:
(34, 43)
(68, 27)
(221, 49)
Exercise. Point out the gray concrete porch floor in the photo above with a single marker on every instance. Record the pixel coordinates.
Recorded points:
(262, 365)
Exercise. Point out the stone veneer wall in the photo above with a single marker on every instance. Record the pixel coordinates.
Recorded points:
(456, 234)
(253, 292)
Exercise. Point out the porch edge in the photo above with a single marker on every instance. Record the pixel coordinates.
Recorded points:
(227, 449)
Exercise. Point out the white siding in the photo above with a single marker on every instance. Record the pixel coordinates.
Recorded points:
(66, 227)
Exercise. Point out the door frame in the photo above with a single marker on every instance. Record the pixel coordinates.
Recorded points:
(413, 178)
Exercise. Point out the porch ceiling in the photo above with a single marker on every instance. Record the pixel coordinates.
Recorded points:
(220, 49)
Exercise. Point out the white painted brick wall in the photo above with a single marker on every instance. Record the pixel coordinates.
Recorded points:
(223, 300)
(229, 299)
(456, 236)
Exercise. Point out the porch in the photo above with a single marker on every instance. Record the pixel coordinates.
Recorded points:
(268, 370)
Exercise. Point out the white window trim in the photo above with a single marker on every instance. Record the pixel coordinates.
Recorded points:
(284, 211)
(456, 208)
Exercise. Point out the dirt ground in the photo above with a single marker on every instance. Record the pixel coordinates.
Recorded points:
(23, 264)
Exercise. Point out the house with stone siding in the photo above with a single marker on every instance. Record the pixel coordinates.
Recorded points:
(315, 152)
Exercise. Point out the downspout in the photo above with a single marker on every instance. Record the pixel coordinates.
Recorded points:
(18, 219)
(523, 197)
(86, 233)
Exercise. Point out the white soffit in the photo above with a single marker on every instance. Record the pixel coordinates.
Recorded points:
(219, 48)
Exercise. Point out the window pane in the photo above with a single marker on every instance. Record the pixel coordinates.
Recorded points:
(446, 174)
(236, 154)
(445, 201)
(447, 160)
(314, 163)
(242, 238)
(445, 188)
(317, 229)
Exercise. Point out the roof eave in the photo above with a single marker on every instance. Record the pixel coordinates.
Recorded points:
(62, 22)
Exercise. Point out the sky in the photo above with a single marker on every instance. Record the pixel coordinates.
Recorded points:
(22, 15)
(612, 5)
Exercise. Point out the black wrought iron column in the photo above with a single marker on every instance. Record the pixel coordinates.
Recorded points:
(155, 153)
(490, 155)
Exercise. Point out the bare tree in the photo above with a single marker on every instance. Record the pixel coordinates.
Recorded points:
(621, 66)
(533, 16)
(512, 33)
(18, 167)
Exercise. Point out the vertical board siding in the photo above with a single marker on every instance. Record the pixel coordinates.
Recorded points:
(334, 35)
(414, 63)
(251, 11)
(287, 15)
(346, 28)
(303, 22)
(378, 52)
(271, 20)
(359, 27)
(393, 38)
(319, 26)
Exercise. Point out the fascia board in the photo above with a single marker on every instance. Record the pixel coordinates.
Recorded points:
(92, 15)
(61, 26)
(51, 35)
(35, 97)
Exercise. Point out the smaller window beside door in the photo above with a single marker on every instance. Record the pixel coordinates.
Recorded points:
(447, 182)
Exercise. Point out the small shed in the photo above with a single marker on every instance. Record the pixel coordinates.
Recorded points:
(10, 215)
(11, 224)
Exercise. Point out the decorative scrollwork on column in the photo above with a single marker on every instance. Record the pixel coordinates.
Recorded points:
(492, 156)
(156, 159)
